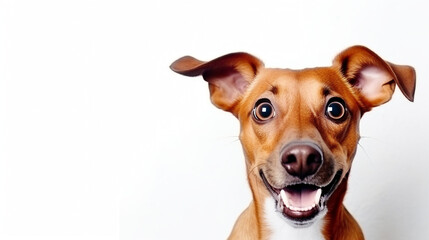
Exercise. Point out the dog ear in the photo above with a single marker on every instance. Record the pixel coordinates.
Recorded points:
(373, 78)
(228, 76)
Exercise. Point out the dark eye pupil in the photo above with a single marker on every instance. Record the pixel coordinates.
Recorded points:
(265, 111)
(335, 110)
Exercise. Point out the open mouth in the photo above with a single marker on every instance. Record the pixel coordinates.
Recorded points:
(302, 202)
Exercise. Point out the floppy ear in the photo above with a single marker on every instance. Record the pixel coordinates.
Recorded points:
(372, 78)
(228, 76)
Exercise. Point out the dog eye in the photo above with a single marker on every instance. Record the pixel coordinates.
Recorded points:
(336, 110)
(263, 110)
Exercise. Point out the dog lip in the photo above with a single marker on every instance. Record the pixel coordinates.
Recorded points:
(330, 188)
(299, 217)
(326, 189)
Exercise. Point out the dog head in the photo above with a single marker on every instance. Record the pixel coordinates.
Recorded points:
(300, 128)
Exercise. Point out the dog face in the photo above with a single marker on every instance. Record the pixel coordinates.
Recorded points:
(300, 128)
(299, 131)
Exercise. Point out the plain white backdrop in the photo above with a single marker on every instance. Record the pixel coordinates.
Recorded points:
(100, 140)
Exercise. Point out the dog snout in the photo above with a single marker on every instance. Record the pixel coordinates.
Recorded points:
(302, 159)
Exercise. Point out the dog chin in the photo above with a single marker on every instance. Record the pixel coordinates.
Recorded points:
(305, 223)
(302, 204)
(314, 216)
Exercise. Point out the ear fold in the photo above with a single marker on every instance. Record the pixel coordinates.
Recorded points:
(373, 78)
(228, 76)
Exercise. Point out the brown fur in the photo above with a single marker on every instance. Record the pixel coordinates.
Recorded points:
(359, 76)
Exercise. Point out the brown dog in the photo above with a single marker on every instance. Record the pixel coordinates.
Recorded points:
(299, 131)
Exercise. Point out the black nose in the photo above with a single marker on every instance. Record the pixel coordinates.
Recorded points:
(302, 159)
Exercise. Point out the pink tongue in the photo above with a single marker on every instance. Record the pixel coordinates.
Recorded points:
(301, 197)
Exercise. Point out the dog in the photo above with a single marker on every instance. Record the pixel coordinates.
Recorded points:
(299, 130)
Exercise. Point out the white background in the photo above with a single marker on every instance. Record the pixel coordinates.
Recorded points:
(100, 140)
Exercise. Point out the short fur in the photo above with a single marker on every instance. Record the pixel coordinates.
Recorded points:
(299, 98)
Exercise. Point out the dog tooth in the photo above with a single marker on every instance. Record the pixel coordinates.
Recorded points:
(317, 197)
(284, 197)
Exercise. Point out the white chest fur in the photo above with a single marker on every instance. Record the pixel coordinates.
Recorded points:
(281, 230)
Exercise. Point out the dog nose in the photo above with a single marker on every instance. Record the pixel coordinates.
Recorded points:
(302, 160)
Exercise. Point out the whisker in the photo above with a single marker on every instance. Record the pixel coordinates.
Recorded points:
(364, 150)
(257, 166)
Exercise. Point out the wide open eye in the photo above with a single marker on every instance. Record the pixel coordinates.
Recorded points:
(263, 110)
(336, 110)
